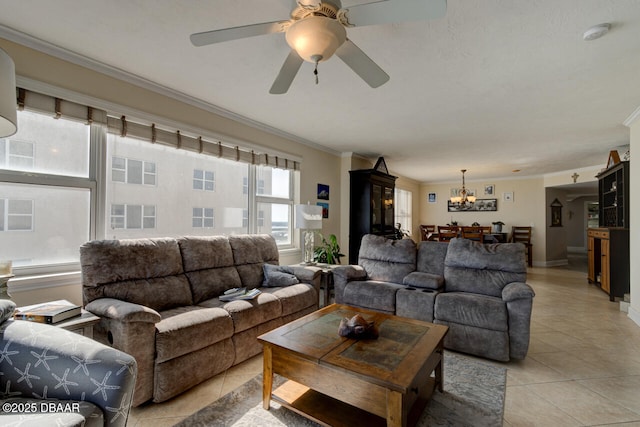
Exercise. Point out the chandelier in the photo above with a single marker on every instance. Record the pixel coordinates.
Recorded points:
(463, 198)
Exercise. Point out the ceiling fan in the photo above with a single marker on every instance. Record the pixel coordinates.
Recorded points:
(317, 30)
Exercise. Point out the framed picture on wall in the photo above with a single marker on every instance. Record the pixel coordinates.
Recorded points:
(431, 197)
(489, 190)
(325, 209)
(508, 196)
(323, 192)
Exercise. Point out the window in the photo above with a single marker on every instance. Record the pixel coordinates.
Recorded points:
(16, 215)
(274, 203)
(402, 206)
(133, 217)
(202, 218)
(16, 154)
(133, 171)
(45, 215)
(203, 180)
(183, 170)
(85, 182)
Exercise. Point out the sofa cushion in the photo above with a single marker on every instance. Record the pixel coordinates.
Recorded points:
(106, 263)
(205, 252)
(472, 310)
(248, 313)
(186, 329)
(418, 279)
(278, 275)
(430, 258)
(158, 293)
(250, 252)
(483, 268)
(387, 260)
(208, 264)
(371, 294)
(294, 298)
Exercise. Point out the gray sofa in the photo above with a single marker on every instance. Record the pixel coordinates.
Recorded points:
(476, 289)
(51, 376)
(158, 301)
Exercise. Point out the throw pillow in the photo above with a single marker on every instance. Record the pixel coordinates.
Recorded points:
(278, 275)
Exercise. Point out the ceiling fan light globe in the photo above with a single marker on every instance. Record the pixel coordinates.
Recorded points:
(316, 36)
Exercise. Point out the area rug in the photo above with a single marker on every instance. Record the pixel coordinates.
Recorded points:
(474, 393)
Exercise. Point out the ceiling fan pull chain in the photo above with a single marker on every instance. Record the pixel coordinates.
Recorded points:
(316, 58)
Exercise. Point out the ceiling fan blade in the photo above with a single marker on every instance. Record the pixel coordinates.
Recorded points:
(218, 36)
(361, 64)
(392, 11)
(287, 74)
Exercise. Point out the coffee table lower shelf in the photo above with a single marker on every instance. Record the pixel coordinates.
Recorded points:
(330, 412)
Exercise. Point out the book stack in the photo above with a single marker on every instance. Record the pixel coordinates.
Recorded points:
(48, 312)
(239, 294)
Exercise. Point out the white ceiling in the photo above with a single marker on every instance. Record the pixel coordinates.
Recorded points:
(494, 86)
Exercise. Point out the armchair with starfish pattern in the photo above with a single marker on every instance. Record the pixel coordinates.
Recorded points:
(51, 376)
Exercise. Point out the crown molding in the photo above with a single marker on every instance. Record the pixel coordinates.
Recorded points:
(77, 59)
(632, 118)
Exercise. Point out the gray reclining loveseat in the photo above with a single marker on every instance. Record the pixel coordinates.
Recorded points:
(476, 289)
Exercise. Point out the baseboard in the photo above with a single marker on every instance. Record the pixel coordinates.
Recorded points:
(576, 250)
(553, 263)
(634, 315)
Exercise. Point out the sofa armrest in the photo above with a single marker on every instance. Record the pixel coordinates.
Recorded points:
(123, 311)
(343, 274)
(306, 274)
(519, 300)
(48, 362)
(517, 290)
(130, 328)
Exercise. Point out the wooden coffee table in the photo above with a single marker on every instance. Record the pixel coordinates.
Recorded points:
(341, 381)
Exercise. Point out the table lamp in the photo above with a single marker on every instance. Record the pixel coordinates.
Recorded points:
(308, 219)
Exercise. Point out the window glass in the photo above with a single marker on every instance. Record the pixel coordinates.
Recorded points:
(275, 220)
(403, 207)
(171, 208)
(58, 147)
(273, 182)
(43, 224)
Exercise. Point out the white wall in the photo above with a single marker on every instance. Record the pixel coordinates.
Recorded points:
(525, 209)
(634, 254)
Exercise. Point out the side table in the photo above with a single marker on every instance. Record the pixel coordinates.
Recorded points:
(326, 281)
(82, 324)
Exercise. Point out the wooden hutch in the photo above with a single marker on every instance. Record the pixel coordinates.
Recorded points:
(371, 205)
(608, 245)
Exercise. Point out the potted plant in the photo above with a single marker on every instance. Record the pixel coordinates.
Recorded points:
(329, 251)
(497, 226)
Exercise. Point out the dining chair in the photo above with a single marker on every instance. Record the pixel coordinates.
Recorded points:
(447, 232)
(426, 231)
(472, 233)
(523, 235)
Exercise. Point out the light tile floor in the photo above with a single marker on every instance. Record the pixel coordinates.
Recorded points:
(583, 366)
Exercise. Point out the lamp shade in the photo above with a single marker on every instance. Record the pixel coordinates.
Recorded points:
(316, 38)
(309, 217)
(8, 113)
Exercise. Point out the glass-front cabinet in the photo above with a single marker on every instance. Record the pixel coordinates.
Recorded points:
(371, 205)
